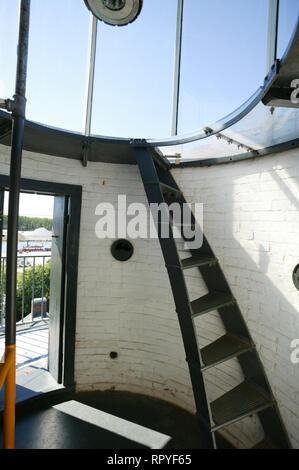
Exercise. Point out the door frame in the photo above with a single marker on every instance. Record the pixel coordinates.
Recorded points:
(74, 192)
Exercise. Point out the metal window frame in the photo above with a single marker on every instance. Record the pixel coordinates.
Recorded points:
(74, 192)
(272, 32)
(91, 74)
(177, 68)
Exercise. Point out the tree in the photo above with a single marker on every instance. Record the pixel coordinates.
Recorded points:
(30, 223)
(28, 287)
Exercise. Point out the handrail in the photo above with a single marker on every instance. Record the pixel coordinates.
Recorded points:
(8, 376)
(5, 366)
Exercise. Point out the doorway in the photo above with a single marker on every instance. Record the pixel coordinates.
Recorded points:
(46, 284)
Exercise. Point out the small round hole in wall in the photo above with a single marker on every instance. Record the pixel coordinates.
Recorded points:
(122, 250)
(113, 355)
(296, 277)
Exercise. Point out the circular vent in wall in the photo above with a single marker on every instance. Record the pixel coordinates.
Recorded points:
(296, 277)
(122, 250)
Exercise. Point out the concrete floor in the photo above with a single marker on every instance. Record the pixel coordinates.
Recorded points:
(32, 346)
(98, 420)
(125, 421)
(32, 376)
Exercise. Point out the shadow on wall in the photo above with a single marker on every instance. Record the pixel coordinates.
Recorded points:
(255, 205)
(266, 260)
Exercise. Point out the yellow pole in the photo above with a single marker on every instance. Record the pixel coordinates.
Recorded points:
(9, 400)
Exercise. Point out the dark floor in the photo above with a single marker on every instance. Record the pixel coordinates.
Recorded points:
(125, 421)
(31, 382)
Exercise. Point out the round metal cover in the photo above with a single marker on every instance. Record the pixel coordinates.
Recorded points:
(122, 250)
(296, 277)
(115, 12)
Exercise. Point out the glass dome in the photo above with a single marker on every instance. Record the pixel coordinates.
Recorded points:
(192, 62)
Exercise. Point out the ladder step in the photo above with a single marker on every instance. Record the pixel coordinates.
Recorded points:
(265, 444)
(244, 400)
(211, 302)
(225, 348)
(196, 261)
(170, 189)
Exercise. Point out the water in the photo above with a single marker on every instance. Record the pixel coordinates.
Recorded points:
(26, 244)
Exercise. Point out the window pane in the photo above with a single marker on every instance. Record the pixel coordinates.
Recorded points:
(211, 147)
(58, 63)
(134, 74)
(262, 128)
(9, 18)
(224, 53)
(288, 17)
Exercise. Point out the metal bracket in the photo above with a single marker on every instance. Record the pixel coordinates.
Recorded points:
(273, 72)
(6, 104)
(16, 106)
(208, 130)
(138, 142)
(85, 150)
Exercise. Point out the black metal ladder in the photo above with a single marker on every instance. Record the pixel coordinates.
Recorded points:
(253, 395)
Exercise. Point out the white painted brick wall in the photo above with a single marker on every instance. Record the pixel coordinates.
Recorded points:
(122, 307)
(251, 220)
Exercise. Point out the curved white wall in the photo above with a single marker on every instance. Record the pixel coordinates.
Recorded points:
(251, 220)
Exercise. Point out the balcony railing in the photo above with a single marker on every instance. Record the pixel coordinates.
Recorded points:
(33, 284)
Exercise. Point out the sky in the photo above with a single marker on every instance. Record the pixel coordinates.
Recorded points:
(134, 68)
(33, 205)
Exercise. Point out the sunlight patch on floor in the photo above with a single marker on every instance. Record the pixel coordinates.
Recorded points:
(122, 427)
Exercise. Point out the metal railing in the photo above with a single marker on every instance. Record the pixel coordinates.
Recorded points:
(33, 280)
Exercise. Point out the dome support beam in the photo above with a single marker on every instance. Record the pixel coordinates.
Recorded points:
(272, 33)
(177, 68)
(89, 102)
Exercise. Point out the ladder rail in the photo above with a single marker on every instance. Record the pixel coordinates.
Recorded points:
(181, 297)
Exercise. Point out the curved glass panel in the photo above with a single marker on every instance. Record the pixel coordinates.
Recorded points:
(261, 128)
(211, 147)
(58, 63)
(223, 58)
(216, 127)
(134, 74)
(9, 16)
(288, 17)
(265, 126)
